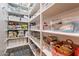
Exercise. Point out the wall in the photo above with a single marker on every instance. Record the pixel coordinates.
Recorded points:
(3, 26)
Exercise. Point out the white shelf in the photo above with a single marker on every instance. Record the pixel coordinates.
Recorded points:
(14, 46)
(45, 9)
(35, 8)
(17, 13)
(24, 7)
(52, 10)
(37, 16)
(17, 38)
(61, 33)
(40, 12)
(57, 32)
(32, 50)
(18, 29)
(18, 21)
(48, 53)
(46, 50)
(58, 8)
(31, 9)
(34, 30)
(35, 41)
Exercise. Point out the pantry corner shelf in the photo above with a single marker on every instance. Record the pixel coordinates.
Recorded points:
(39, 19)
(17, 26)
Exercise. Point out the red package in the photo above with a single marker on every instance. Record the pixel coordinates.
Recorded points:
(77, 52)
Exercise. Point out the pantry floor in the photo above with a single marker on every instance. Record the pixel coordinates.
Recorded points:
(20, 51)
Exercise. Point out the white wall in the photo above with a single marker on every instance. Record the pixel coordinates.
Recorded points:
(3, 27)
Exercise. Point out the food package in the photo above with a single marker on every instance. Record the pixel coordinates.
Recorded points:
(24, 26)
(64, 48)
(46, 26)
(24, 19)
(49, 39)
(76, 24)
(56, 26)
(12, 34)
(76, 28)
(76, 51)
(11, 25)
(14, 18)
(18, 26)
(21, 34)
(67, 27)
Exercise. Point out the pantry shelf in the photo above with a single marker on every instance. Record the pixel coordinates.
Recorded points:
(34, 17)
(17, 29)
(17, 38)
(61, 33)
(16, 13)
(34, 9)
(14, 46)
(18, 21)
(48, 17)
(48, 53)
(35, 41)
(17, 26)
(32, 50)
(34, 30)
(58, 8)
(45, 9)
(43, 26)
(18, 5)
